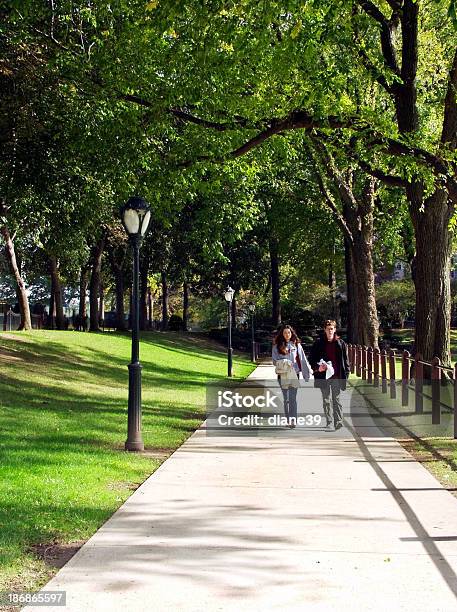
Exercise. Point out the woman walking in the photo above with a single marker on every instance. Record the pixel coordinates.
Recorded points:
(287, 348)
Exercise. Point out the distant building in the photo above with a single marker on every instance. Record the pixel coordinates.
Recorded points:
(454, 266)
(399, 272)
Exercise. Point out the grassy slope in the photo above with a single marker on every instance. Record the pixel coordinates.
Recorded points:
(407, 336)
(63, 399)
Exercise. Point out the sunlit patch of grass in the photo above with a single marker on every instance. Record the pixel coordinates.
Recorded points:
(63, 419)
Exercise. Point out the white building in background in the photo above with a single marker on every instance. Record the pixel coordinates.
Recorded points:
(399, 272)
(401, 269)
(454, 267)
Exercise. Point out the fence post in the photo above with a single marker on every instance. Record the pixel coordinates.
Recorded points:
(370, 364)
(358, 349)
(376, 355)
(436, 389)
(393, 388)
(384, 371)
(455, 401)
(364, 362)
(404, 378)
(419, 383)
(353, 358)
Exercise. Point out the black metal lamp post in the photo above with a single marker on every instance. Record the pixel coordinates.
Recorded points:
(251, 307)
(229, 297)
(135, 215)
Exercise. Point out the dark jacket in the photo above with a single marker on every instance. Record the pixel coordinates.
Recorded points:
(318, 352)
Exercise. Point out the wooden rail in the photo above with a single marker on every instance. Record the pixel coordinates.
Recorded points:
(377, 366)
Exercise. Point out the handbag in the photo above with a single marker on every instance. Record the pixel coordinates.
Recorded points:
(283, 366)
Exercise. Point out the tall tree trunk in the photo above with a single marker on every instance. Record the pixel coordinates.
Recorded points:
(144, 274)
(430, 216)
(150, 309)
(334, 311)
(356, 222)
(432, 266)
(275, 282)
(164, 301)
(120, 290)
(52, 309)
(352, 324)
(56, 293)
(97, 255)
(117, 256)
(101, 302)
(83, 282)
(24, 309)
(361, 223)
(185, 305)
(366, 331)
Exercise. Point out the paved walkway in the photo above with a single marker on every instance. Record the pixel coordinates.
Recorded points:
(332, 521)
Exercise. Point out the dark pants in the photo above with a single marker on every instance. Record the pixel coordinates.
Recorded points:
(290, 402)
(333, 384)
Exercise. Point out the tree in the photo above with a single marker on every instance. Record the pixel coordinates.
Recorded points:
(395, 300)
(116, 248)
(355, 219)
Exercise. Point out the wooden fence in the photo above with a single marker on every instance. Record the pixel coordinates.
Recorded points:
(379, 369)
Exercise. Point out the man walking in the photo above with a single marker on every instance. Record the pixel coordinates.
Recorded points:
(330, 347)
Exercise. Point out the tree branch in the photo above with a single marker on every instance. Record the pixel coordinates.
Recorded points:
(389, 179)
(387, 45)
(371, 68)
(340, 220)
(395, 5)
(302, 120)
(238, 122)
(343, 186)
(394, 181)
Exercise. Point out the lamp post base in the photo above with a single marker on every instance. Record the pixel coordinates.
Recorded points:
(134, 438)
(134, 446)
(253, 355)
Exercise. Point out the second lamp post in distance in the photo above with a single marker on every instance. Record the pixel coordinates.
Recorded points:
(251, 307)
(229, 292)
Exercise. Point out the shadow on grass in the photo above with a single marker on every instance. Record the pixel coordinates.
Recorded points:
(63, 416)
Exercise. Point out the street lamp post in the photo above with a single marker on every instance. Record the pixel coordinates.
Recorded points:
(251, 307)
(135, 216)
(229, 297)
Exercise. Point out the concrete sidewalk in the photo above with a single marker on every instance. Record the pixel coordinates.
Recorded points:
(330, 522)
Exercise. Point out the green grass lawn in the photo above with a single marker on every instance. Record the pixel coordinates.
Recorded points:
(407, 336)
(439, 456)
(63, 418)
